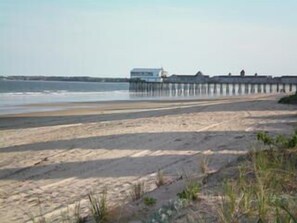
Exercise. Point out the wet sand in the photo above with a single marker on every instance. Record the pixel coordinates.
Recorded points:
(56, 158)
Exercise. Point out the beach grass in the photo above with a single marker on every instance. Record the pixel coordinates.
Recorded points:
(191, 191)
(292, 99)
(264, 188)
(265, 191)
(204, 166)
(137, 191)
(98, 207)
(160, 179)
(149, 201)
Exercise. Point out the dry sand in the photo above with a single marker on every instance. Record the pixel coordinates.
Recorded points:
(56, 158)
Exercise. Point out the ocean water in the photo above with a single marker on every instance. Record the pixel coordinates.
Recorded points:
(16, 93)
(32, 92)
(23, 96)
(15, 96)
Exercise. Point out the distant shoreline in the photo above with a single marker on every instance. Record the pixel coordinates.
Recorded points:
(63, 78)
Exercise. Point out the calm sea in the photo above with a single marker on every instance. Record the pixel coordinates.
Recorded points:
(16, 94)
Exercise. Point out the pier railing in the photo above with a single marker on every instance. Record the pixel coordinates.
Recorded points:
(210, 88)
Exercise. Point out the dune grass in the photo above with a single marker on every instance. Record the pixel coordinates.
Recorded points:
(191, 191)
(292, 99)
(149, 201)
(137, 191)
(98, 207)
(204, 166)
(160, 179)
(264, 188)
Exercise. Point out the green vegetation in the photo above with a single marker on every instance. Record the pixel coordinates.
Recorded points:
(149, 201)
(137, 191)
(280, 141)
(292, 99)
(98, 207)
(264, 188)
(190, 192)
(167, 212)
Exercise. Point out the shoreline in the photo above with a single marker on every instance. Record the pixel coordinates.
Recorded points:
(38, 108)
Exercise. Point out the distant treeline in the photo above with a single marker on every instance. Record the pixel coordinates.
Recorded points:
(59, 78)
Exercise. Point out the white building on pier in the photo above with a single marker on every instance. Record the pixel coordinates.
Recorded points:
(148, 74)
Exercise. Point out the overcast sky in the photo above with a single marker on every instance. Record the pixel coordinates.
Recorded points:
(108, 38)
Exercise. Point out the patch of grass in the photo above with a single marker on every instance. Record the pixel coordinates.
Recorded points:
(78, 218)
(137, 191)
(98, 207)
(264, 189)
(160, 180)
(263, 192)
(149, 201)
(190, 192)
(265, 138)
(204, 166)
(292, 99)
(280, 141)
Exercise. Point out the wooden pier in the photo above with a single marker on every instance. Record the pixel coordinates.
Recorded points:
(217, 86)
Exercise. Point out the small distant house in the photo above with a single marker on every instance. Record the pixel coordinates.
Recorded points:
(148, 74)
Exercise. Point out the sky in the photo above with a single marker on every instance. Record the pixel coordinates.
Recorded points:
(103, 38)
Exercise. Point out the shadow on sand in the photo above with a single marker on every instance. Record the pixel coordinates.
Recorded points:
(131, 162)
(7, 122)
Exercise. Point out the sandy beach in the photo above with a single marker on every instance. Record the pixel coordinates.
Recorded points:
(54, 159)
